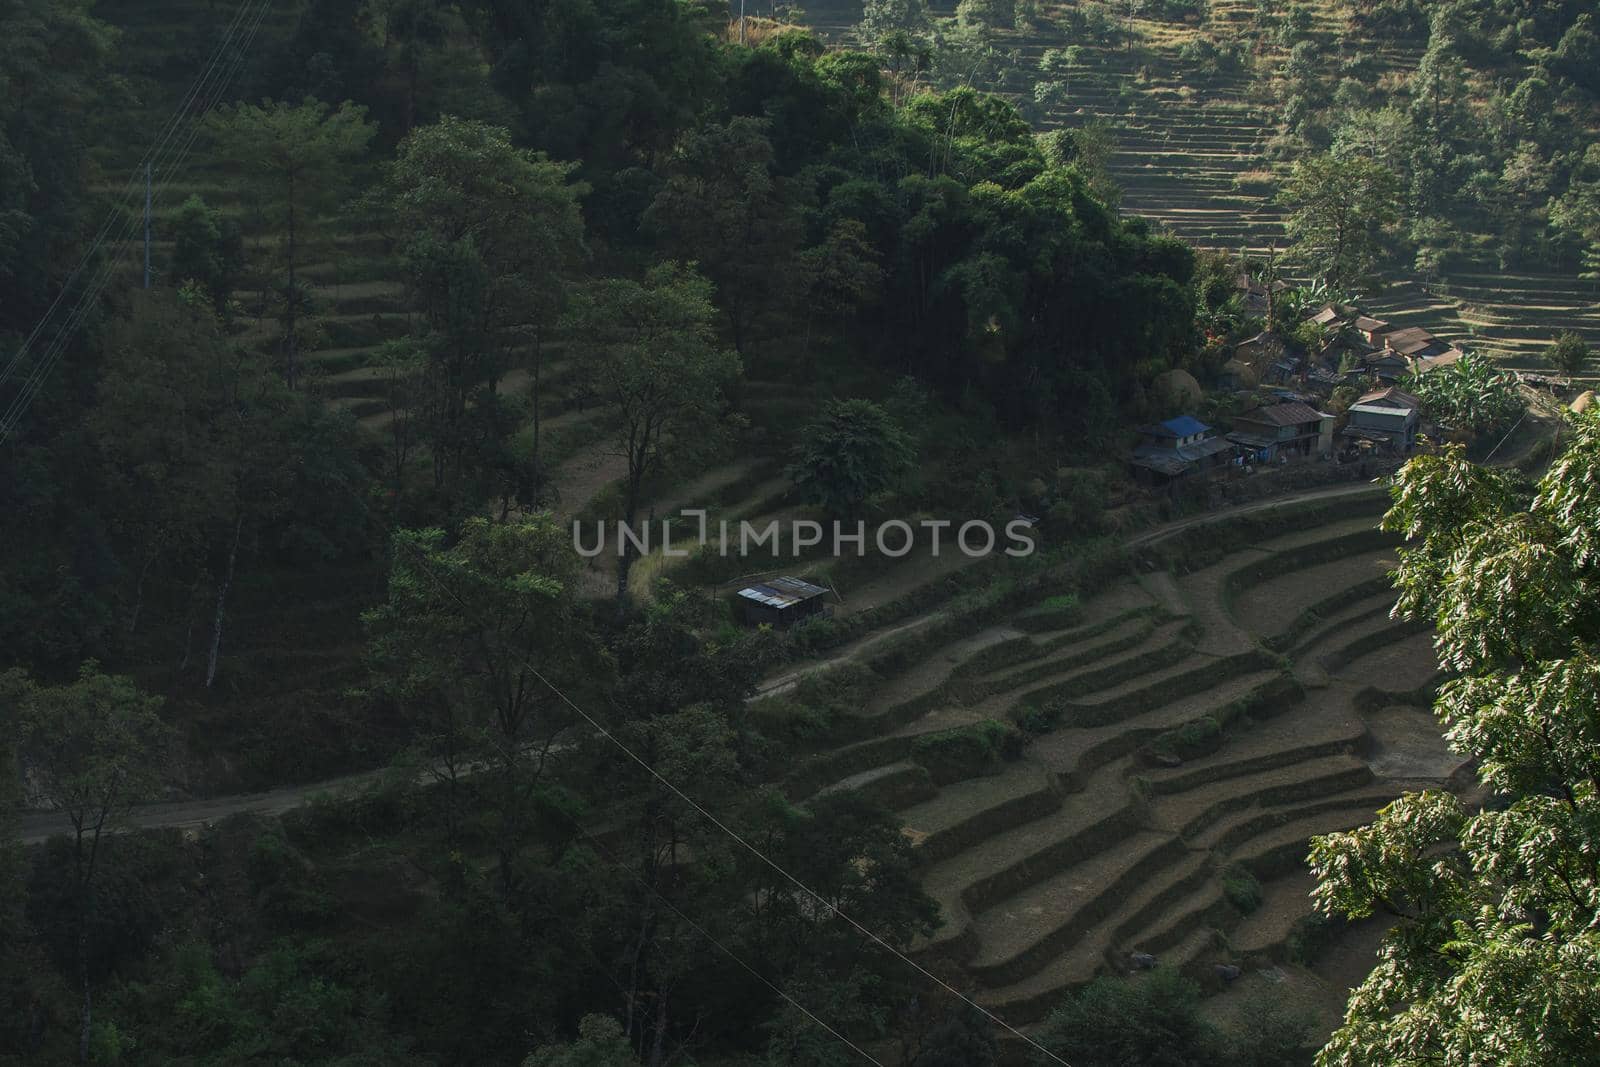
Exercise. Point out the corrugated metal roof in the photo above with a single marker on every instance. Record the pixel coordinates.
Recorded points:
(1379, 409)
(1290, 414)
(1184, 426)
(782, 592)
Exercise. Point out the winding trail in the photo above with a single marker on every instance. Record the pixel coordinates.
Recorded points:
(37, 826)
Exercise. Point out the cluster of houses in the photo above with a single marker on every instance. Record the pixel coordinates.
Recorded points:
(1356, 349)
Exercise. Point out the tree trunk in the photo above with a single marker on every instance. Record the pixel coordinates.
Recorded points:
(658, 1046)
(534, 400)
(222, 597)
(294, 296)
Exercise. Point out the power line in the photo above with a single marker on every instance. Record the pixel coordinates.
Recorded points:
(704, 813)
(725, 950)
(86, 301)
(119, 211)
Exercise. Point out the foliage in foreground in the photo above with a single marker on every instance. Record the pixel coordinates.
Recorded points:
(1496, 953)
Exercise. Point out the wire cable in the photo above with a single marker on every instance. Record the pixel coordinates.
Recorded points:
(732, 834)
(120, 210)
(87, 301)
(725, 950)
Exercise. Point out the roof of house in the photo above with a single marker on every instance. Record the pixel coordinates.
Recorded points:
(1252, 440)
(1383, 355)
(1380, 409)
(1430, 361)
(1292, 413)
(1173, 461)
(1166, 462)
(1370, 325)
(1412, 340)
(1327, 315)
(1264, 339)
(782, 593)
(1182, 426)
(1393, 396)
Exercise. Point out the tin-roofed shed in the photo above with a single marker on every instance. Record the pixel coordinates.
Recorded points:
(781, 601)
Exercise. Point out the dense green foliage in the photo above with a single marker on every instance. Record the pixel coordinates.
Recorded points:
(1472, 395)
(854, 451)
(1154, 1020)
(1489, 137)
(1494, 952)
(690, 247)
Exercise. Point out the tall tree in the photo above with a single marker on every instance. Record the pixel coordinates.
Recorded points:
(852, 452)
(299, 161)
(1495, 955)
(52, 66)
(1570, 354)
(651, 352)
(89, 749)
(1339, 208)
(203, 451)
(725, 207)
(474, 642)
(490, 233)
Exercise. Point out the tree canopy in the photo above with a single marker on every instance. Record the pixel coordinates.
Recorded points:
(1495, 951)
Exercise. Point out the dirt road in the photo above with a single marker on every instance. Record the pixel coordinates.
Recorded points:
(36, 826)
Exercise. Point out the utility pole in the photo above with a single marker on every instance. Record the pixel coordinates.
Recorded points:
(147, 224)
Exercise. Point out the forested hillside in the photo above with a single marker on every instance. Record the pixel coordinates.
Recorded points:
(328, 330)
(1484, 114)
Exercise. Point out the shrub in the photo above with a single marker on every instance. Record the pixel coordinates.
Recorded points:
(1241, 889)
(1154, 1020)
(1034, 720)
(1256, 182)
(1311, 935)
(967, 751)
(1194, 738)
(1054, 613)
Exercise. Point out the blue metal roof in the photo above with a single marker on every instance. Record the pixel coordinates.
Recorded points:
(1184, 426)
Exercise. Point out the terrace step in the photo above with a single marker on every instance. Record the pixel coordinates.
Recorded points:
(894, 785)
(1023, 934)
(1285, 847)
(1263, 935)
(1193, 814)
(1030, 997)
(965, 813)
(1324, 725)
(1240, 829)
(1008, 862)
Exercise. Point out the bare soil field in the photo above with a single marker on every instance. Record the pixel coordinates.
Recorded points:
(1184, 750)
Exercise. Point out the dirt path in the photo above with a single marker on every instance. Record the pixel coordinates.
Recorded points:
(789, 678)
(36, 826)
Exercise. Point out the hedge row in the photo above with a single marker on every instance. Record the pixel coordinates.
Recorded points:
(1166, 690)
(1106, 900)
(1295, 559)
(969, 751)
(1323, 609)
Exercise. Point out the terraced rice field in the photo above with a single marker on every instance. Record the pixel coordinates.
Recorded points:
(1184, 136)
(1103, 838)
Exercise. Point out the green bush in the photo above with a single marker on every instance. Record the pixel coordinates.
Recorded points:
(1194, 738)
(967, 751)
(1241, 889)
(1055, 613)
(1311, 935)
